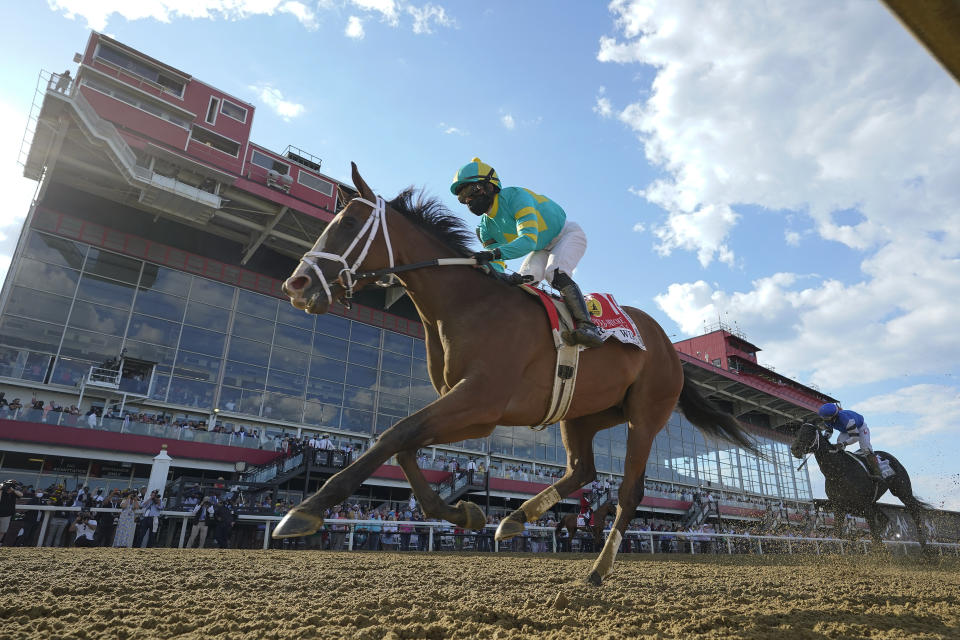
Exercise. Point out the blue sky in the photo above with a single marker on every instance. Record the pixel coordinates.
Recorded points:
(790, 167)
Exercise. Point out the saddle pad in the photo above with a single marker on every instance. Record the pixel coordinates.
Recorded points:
(611, 320)
(607, 315)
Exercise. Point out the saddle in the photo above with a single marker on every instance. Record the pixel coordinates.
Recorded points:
(611, 321)
(859, 456)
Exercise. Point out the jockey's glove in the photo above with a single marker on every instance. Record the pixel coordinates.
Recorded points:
(486, 257)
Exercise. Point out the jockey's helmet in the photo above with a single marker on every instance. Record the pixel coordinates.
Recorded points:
(474, 171)
(829, 410)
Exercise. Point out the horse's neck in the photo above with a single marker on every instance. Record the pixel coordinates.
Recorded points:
(829, 461)
(444, 294)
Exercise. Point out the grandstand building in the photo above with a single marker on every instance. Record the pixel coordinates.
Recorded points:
(146, 287)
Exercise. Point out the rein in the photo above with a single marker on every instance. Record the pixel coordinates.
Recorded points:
(347, 276)
(810, 450)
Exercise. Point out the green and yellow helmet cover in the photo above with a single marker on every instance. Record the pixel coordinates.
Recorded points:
(474, 171)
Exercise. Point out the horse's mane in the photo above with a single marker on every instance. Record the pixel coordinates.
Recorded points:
(433, 217)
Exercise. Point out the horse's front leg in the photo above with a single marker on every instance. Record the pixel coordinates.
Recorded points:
(438, 422)
(465, 514)
(872, 515)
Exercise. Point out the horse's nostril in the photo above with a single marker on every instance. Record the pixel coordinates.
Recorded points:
(297, 284)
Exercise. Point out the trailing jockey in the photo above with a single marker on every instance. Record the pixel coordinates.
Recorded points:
(516, 222)
(852, 429)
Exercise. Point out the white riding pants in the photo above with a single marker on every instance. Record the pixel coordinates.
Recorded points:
(563, 253)
(862, 436)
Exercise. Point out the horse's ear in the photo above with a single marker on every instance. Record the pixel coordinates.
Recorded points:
(365, 191)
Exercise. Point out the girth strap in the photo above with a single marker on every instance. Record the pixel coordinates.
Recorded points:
(564, 383)
(568, 361)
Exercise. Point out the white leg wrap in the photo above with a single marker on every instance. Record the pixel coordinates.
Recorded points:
(537, 505)
(604, 564)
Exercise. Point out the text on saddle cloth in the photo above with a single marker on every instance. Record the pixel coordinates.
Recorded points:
(611, 320)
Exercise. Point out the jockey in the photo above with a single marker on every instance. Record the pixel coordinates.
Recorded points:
(517, 222)
(852, 429)
(585, 512)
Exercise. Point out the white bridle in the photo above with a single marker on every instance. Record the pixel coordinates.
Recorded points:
(374, 223)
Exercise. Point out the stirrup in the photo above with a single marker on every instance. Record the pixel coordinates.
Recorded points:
(585, 334)
(512, 279)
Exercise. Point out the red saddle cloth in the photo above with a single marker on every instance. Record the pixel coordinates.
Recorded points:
(606, 313)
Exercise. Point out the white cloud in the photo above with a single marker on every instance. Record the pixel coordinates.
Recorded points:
(273, 98)
(899, 320)
(98, 13)
(785, 109)
(639, 227)
(301, 12)
(423, 16)
(837, 121)
(386, 8)
(922, 408)
(354, 28)
(451, 130)
(603, 107)
(508, 121)
(703, 231)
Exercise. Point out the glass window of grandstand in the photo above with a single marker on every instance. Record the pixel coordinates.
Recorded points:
(216, 141)
(315, 183)
(263, 160)
(212, 110)
(133, 64)
(234, 111)
(203, 345)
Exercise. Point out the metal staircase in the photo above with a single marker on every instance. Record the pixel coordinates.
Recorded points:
(54, 101)
(698, 513)
(455, 486)
(277, 472)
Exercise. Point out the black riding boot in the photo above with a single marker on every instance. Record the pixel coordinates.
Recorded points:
(873, 466)
(586, 332)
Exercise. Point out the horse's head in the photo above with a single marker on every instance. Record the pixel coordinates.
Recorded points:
(346, 247)
(808, 438)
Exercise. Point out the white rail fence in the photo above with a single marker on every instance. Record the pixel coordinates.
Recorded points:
(440, 536)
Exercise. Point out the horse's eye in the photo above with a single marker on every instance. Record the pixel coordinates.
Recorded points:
(349, 222)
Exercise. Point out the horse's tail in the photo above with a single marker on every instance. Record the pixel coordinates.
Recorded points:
(710, 419)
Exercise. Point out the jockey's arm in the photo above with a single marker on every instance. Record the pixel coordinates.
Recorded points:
(528, 234)
(489, 244)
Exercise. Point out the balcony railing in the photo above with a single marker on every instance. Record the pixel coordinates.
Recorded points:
(126, 425)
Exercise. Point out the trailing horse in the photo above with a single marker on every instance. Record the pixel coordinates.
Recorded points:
(569, 522)
(850, 488)
(492, 360)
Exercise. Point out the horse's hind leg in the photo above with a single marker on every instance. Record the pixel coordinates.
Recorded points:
(578, 440)
(902, 488)
(465, 514)
(645, 422)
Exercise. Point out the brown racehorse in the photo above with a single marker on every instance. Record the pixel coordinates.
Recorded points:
(569, 522)
(492, 360)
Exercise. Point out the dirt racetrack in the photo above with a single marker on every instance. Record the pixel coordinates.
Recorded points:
(165, 593)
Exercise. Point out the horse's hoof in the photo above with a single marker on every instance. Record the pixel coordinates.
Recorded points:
(594, 579)
(297, 523)
(475, 519)
(508, 528)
